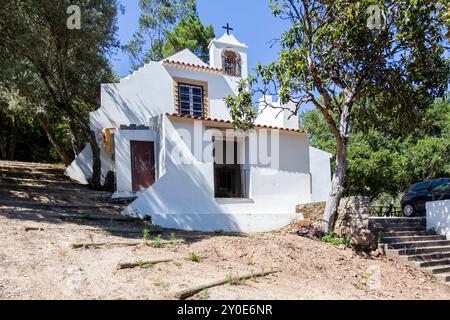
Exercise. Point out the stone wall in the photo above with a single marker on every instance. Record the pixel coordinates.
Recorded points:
(352, 222)
(311, 211)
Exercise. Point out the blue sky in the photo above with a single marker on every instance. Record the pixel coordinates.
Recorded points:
(252, 21)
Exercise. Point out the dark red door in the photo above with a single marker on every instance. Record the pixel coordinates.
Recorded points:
(142, 164)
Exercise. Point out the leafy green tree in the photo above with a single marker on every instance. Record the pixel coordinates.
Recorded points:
(156, 17)
(189, 33)
(68, 63)
(331, 57)
(383, 162)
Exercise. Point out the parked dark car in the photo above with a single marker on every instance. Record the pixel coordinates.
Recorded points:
(413, 201)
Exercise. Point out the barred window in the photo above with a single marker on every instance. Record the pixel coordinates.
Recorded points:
(190, 100)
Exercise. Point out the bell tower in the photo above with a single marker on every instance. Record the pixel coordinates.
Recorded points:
(229, 54)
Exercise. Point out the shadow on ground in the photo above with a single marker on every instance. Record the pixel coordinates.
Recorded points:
(42, 194)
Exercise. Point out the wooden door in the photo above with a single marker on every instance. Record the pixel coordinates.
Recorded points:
(142, 164)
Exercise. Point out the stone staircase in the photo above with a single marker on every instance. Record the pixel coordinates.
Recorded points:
(407, 240)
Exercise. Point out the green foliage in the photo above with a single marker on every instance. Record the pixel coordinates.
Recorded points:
(157, 16)
(203, 295)
(330, 238)
(189, 33)
(242, 111)
(384, 162)
(144, 264)
(156, 243)
(194, 257)
(229, 278)
(330, 58)
(177, 264)
(55, 69)
(146, 234)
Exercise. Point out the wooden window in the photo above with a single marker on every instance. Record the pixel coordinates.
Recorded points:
(191, 97)
(190, 100)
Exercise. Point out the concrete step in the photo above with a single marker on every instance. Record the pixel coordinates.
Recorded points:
(405, 233)
(42, 211)
(403, 239)
(38, 204)
(37, 182)
(29, 187)
(433, 263)
(397, 229)
(30, 165)
(395, 218)
(416, 251)
(429, 256)
(438, 269)
(50, 191)
(419, 244)
(444, 277)
(397, 221)
(13, 172)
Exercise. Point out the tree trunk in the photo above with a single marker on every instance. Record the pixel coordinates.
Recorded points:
(73, 134)
(59, 150)
(337, 188)
(13, 140)
(337, 183)
(96, 162)
(95, 181)
(3, 151)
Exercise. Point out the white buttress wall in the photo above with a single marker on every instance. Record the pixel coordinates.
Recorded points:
(320, 174)
(438, 217)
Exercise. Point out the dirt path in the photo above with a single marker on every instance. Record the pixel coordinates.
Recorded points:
(41, 263)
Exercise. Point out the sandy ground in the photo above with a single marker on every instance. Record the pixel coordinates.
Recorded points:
(41, 264)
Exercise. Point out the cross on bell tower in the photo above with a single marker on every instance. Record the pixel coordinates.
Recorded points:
(228, 28)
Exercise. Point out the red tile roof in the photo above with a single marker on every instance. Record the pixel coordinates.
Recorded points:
(191, 65)
(177, 115)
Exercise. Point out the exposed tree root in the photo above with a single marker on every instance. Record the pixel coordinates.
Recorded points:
(131, 265)
(142, 263)
(107, 244)
(186, 293)
(33, 229)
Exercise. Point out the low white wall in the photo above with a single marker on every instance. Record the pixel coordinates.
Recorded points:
(438, 217)
(320, 174)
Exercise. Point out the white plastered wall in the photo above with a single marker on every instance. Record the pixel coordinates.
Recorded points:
(123, 157)
(275, 116)
(438, 217)
(320, 174)
(183, 198)
(80, 170)
(219, 87)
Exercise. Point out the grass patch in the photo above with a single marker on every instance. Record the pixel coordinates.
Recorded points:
(332, 239)
(194, 257)
(143, 264)
(145, 235)
(156, 243)
(203, 295)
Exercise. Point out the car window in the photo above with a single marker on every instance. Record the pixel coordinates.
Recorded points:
(422, 186)
(441, 185)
